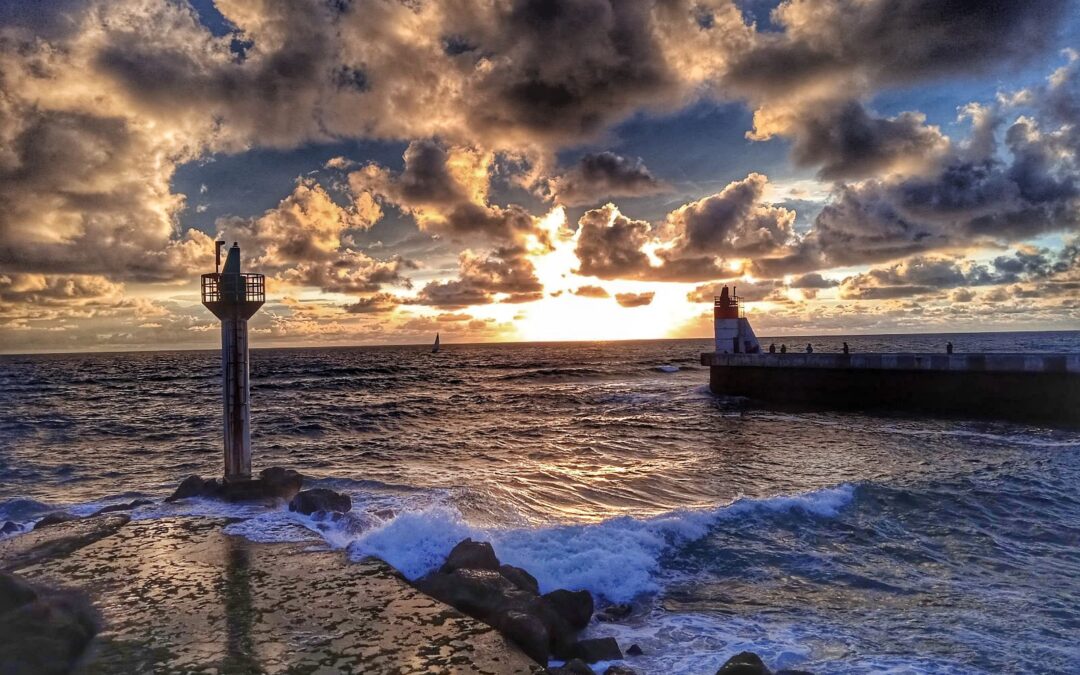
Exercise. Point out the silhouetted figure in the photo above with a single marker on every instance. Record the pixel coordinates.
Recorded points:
(846, 350)
(809, 348)
(772, 348)
(783, 349)
(948, 348)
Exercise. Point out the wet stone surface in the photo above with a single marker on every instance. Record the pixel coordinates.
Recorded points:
(178, 595)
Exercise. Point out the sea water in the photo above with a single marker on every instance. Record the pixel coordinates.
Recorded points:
(836, 542)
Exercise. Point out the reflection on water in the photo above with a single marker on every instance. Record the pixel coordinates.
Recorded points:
(934, 534)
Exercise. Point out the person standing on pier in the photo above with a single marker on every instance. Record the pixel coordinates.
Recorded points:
(783, 349)
(846, 350)
(809, 348)
(772, 348)
(948, 347)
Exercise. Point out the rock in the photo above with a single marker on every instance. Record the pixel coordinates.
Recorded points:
(471, 555)
(42, 631)
(194, 486)
(281, 483)
(614, 612)
(123, 507)
(520, 578)
(9, 528)
(526, 631)
(572, 667)
(14, 592)
(619, 670)
(55, 518)
(597, 649)
(478, 593)
(744, 663)
(320, 499)
(272, 483)
(574, 606)
(634, 651)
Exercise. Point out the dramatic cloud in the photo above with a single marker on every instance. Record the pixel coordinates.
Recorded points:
(609, 245)
(847, 142)
(376, 303)
(446, 190)
(807, 78)
(695, 241)
(482, 277)
(605, 175)
(634, 299)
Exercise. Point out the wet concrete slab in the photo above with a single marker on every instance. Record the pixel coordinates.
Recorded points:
(179, 595)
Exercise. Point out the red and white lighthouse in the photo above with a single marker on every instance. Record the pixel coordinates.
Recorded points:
(733, 332)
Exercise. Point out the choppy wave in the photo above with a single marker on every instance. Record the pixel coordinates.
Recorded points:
(835, 542)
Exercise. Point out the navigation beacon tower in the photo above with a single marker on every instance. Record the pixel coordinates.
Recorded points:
(733, 332)
(234, 297)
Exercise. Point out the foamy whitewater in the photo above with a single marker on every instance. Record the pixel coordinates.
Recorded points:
(833, 542)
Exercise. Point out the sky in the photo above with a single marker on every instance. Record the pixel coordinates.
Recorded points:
(522, 170)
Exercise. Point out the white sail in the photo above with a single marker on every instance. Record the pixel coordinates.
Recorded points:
(435, 347)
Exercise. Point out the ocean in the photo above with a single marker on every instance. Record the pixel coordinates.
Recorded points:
(835, 542)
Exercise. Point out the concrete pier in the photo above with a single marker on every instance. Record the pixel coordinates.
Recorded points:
(1036, 387)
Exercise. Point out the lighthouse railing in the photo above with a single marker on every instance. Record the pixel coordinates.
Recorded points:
(252, 288)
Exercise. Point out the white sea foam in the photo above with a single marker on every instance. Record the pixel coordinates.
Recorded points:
(617, 559)
(668, 368)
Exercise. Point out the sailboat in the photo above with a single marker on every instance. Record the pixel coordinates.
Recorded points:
(435, 347)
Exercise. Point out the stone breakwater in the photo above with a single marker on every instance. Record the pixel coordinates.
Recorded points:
(105, 594)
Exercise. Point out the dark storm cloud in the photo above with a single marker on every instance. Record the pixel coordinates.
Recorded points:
(566, 69)
(922, 275)
(598, 176)
(891, 41)
(1033, 192)
(445, 189)
(634, 299)
(846, 142)
(732, 224)
(481, 277)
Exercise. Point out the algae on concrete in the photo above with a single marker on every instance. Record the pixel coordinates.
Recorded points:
(180, 595)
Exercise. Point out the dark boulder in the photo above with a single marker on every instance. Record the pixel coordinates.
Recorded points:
(195, 486)
(526, 631)
(55, 518)
(471, 555)
(574, 606)
(273, 483)
(520, 578)
(614, 612)
(572, 667)
(308, 502)
(634, 651)
(597, 649)
(14, 592)
(10, 528)
(42, 631)
(123, 507)
(619, 670)
(478, 593)
(744, 663)
(281, 483)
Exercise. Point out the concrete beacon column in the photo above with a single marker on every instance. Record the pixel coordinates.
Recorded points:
(234, 297)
